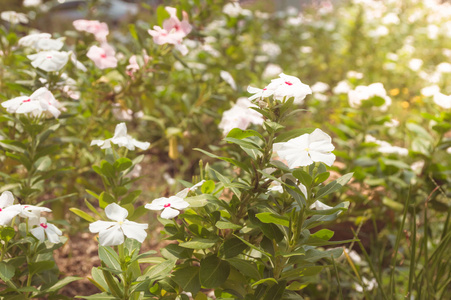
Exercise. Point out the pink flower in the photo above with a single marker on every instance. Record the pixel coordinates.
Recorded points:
(133, 63)
(100, 30)
(173, 31)
(103, 56)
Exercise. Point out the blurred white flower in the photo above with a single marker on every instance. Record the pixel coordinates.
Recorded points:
(369, 285)
(306, 49)
(385, 147)
(271, 71)
(234, 9)
(14, 17)
(31, 39)
(46, 229)
(430, 90)
(122, 139)
(319, 87)
(136, 172)
(112, 233)
(227, 77)
(433, 31)
(318, 205)
(241, 115)
(392, 123)
(361, 93)
(271, 49)
(415, 64)
(381, 30)
(442, 100)
(49, 61)
(444, 67)
(392, 56)
(41, 101)
(287, 86)
(418, 166)
(390, 18)
(307, 149)
(48, 44)
(342, 87)
(31, 3)
(354, 74)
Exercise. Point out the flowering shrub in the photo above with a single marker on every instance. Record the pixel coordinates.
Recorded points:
(335, 186)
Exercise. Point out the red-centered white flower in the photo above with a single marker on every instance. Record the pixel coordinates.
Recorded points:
(287, 87)
(259, 93)
(49, 61)
(41, 101)
(240, 116)
(103, 57)
(171, 206)
(112, 233)
(7, 210)
(46, 229)
(98, 29)
(307, 149)
(173, 31)
(31, 39)
(122, 139)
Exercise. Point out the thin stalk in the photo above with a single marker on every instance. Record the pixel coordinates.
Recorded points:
(338, 278)
(412, 253)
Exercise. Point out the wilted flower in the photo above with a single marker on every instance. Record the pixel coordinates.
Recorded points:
(103, 57)
(41, 101)
(442, 100)
(307, 149)
(14, 17)
(112, 233)
(46, 229)
(241, 115)
(173, 30)
(49, 61)
(122, 139)
(98, 29)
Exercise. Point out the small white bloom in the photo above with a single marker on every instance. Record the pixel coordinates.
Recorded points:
(392, 123)
(227, 77)
(44, 228)
(369, 285)
(14, 17)
(354, 74)
(49, 61)
(271, 70)
(415, 64)
(31, 3)
(442, 100)
(342, 87)
(444, 67)
(319, 87)
(320, 205)
(307, 149)
(234, 10)
(271, 49)
(171, 206)
(430, 90)
(112, 233)
(7, 210)
(241, 115)
(287, 87)
(122, 139)
(31, 39)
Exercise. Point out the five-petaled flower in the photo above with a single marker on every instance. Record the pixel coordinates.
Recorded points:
(112, 233)
(307, 149)
(103, 57)
(46, 229)
(122, 139)
(49, 61)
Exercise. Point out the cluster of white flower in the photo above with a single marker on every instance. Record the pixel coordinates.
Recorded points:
(40, 227)
(385, 147)
(122, 139)
(362, 93)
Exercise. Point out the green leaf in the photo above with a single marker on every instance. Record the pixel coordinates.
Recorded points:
(198, 243)
(241, 134)
(313, 255)
(324, 234)
(229, 160)
(301, 271)
(208, 187)
(334, 185)
(7, 233)
(107, 169)
(276, 291)
(188, 279)
(247, 268)
(61, 283)
(122, 164)
(158, 272)
(321, 177)
(232, 247)
(109, 257)
(303, 177)
(199, 201)
(131, 197)
(82, 214)
(40, 266)
(254, 247)
(6, 271)
(269, 281)
(227, 225)
(43, 163)
(105, 199)
(267, 217)
(213, 271)
(100, 296)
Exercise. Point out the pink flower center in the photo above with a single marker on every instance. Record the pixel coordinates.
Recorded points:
(25, 206)
(49, 57)
(103, 55)
(0, 209)
(288, 83)
(43, 225)
(167, 205)
(28, 100)
(264, 89)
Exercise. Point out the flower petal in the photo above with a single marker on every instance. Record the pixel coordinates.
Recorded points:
(98, 226)
(135, 230)
(115, 212)
(112, 236)
(38, 233)
(169, 213)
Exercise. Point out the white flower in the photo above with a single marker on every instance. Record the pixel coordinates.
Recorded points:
(320, 205)
(170, 206)
(442, 100)
(271, 70)
(271, 49)
(31, 39)
(41, 101)
(430, 90)
(307, 149)
(288, 86)
(49, 61)
(228, 78)
(7, 210)
(234, 9)
(354, 74)
(48, 44)
(342, 87)
(320, 87)
(362, 93)
(369, 285)
(415, 64)
(240, 116)
(385, 147)
(31, 3)
(14, 17)
(259, 93)
(444, 67)
(44, 228)
(122, 139)
(112, 233)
